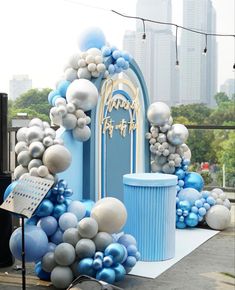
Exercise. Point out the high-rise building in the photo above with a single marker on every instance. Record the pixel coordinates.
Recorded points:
(19, 85)
(198, 72)
(228, 87)
(155, 55)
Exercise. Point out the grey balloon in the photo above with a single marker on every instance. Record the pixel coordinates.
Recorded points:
(64, 254)
(21, 146)
(69, 121)
(102, 240)
(34, 133)
(34, 163)
(84, 93)
(21, 134)
(88, 227)
(24, 158)
(61, 277)
(158, 113)
(85, 248)
(82, 134)
(36, 149)
(20, 170)
(178, 134)
(48, 262)
(71, 236)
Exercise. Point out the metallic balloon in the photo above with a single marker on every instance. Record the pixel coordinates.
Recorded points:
(158, 113)
(178, 134)
(218, 217)
(194, 180)
(83, 94)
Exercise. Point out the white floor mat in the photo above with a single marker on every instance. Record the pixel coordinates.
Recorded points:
(187, 240)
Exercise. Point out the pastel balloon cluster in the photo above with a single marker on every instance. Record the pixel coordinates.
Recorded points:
(167, 141)
(83, 247)
(119, 59)
(39, 152)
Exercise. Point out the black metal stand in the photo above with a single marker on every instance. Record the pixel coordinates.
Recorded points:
(23, 271)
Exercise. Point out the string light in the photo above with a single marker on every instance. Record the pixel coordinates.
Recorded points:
(176, 47)
(160, 22)
(144, 34)
(205, 49)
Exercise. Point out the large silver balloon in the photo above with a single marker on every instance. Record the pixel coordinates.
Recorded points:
(178, 134)
(158, 113)
(83, 94)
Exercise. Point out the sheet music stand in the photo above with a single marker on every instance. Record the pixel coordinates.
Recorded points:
(24, 200)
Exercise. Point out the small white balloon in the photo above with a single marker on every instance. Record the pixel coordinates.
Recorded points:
(36, 122)
(83, 73)
(24, 158)
(98, 59)
(47, 141)
(91, 67)
(69, 122)
(70, 74)
(73, 60)
(101, 67)
(36, 149)
(42, 171)
(81, 122)
(82, 134)
(21, 146)
(20, 170)
(62, 110)
(71, 108)
(81, 63)
(60, 101)
(34, 133)
(50, 132)
(178, 134)
(34, 163)
(90, 59)
(95, 74)
(21, 134)
(94, 51)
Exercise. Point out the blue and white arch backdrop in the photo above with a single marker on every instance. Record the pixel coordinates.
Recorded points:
(120, 127)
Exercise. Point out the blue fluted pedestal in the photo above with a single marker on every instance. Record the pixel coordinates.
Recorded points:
(150, 202)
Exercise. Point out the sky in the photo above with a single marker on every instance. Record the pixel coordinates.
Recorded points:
(38, 36)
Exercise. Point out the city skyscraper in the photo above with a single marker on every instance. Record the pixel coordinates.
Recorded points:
(156, 54)
(228, 87)
(198, 72)
(19, 85)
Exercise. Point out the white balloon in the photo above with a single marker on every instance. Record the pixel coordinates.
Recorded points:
(36, 149)
(69, 122)
(98, 59)
(57, 158)
(71, 108)
(90, 59)
(50, 132)
(178, 134)
(101, 67)
(73, 60)
(24, 158)
(20, 170)
(83, 73)
(36, 122)
(60, 101)
(70, 74)
(34, 163)
(110, 214)
(84, 93)
(91, 67)
(218, 217)
(34, 133)
(81, 63)
(82, 134)
(94, 51)
(21, 146)
(21, 134)
(158, 113)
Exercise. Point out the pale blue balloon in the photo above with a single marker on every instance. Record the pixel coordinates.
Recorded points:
(92, 37)
(36, 243)
(48, 224)
(189, 194)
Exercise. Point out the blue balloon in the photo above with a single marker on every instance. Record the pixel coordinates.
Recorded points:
(111, 69)
(180, 173)
(9, 189)
(45, 208)
(57, 237)
(116, 54)
(130, 262)
(211, 200)
(191, 220)
(180, 225)
(108, 261)
(127, 240)
(97, 264)
(115, 250)
(89, 205)
(85, 267)
(52, 94)
(131, 250)
(106, 275)
(59, 209)
(202, 211)
(33, 220)
(63, 86)
(48, 224)
(120, 272)
(51, 247)
(93, 37)
(184, 205)
(194, 180)
(106, 51)
(189, 194)
(41, 274)
(120, 62)
(36, 243)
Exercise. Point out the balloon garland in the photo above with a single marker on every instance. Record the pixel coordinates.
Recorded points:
(68, 238)
(170, 154)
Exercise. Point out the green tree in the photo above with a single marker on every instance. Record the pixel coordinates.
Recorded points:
(34, 102)
(220, 98)
(194, 113)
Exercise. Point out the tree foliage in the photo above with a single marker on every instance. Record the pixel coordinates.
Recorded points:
(34, 102)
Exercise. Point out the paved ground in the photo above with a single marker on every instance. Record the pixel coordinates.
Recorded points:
(211, 266)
